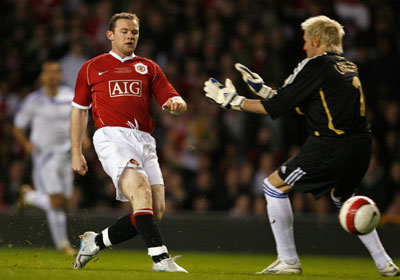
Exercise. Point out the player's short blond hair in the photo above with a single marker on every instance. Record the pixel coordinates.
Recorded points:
(118, 16)
(328, 31)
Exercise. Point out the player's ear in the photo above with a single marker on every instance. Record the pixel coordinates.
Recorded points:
(110, 35)
(316, 42)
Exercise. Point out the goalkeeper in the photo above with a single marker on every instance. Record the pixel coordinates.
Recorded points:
(326, 89)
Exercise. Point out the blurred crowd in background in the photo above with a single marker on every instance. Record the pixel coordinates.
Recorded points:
(212, 159)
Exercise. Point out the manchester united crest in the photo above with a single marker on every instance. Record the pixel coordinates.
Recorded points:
(141, 68)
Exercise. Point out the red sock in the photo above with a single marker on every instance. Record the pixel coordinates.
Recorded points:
(144, 211)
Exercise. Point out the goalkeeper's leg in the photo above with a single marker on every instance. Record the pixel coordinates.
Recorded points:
(372, 242)
(281, 220)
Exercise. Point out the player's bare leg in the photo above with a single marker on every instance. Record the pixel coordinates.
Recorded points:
(158, 197)
(281, 220)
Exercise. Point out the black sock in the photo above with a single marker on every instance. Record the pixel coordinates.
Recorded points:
(99, 241)
(158, 258)
(122, 230)
(149, 231)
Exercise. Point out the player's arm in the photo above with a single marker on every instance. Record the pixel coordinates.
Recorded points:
(21, 137)
(254, 106)
(255, 82)
(227, 97)
(165, 94)
(79, 118)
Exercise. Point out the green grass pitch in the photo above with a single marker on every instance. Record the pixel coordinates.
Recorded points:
(116, 264)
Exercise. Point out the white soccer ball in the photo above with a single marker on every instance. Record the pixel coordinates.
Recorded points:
(359, 215)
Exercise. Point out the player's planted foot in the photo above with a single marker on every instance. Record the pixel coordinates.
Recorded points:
(390, 270)
(21, 204)
(87, 251)
(279, 267)
(168, 265)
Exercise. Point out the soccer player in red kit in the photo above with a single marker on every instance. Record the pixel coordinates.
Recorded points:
(119, 86)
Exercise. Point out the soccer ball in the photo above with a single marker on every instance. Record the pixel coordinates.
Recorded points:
(359, 215)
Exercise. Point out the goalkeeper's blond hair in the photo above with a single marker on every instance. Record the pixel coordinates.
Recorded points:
(328, 31)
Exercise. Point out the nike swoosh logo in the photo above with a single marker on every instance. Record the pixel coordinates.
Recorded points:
(101, 73)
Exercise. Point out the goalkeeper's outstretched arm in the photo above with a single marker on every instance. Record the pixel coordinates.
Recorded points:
(253, 106)
(227, 97)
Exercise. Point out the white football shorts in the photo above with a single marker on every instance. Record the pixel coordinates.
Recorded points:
(120, 147)
(52, 172)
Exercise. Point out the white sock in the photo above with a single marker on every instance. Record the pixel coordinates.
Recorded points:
(155, 251)
(375, 248)
(106, 239)
(57, 220)
(38, 199)
(281, 220)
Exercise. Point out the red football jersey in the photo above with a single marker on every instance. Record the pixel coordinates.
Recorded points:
(120, 90)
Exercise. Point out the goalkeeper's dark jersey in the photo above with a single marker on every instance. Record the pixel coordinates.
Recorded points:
(326, 89)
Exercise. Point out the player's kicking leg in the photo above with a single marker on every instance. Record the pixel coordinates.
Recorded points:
(92, 243)
(124, 229)
(87, 250)
(281, 219)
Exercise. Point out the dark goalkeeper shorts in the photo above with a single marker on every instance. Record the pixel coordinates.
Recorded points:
(322, 165)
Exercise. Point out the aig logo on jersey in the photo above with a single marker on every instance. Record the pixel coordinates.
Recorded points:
(125, 88)
(141, 68)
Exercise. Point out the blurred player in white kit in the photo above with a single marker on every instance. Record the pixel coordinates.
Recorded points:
(45, 113)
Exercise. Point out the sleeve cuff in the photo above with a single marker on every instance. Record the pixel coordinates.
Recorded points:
(80, 106)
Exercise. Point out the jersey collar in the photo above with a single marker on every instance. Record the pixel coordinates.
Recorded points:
(120, 58)
(333, 53)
